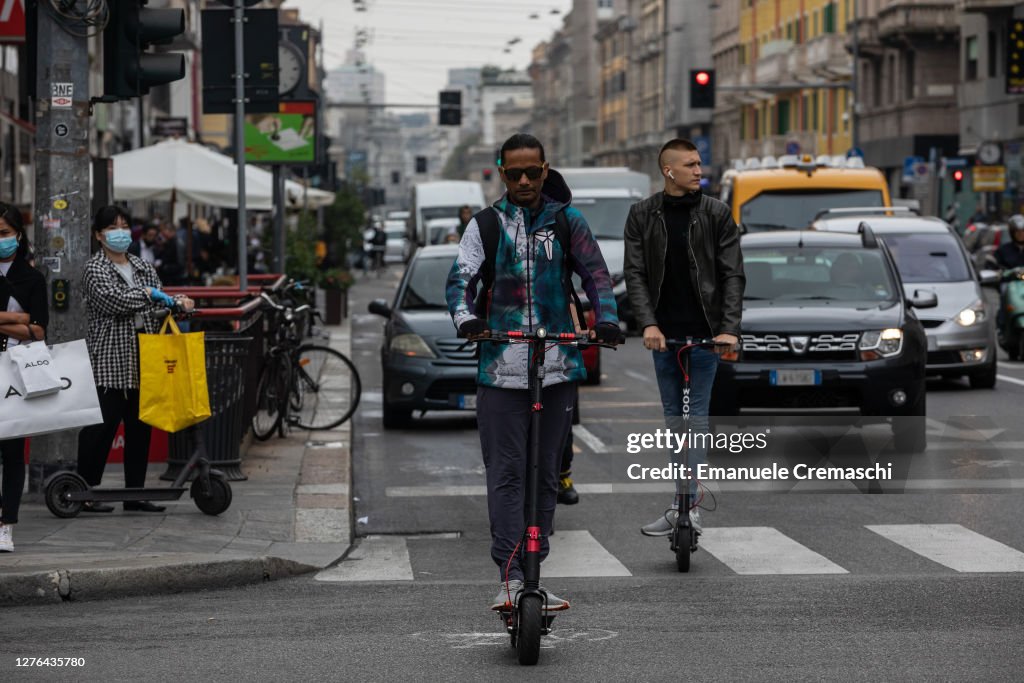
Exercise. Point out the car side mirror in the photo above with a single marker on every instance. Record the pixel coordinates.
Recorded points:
(379, 307)
(988, 278)
(924, 300)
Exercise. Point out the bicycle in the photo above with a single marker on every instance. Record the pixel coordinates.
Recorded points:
(529, 619)
(303, 385)
(683, 537)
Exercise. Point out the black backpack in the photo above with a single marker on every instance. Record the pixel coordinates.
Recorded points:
(487, 222)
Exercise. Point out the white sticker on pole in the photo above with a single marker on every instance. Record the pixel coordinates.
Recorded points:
(61, 95)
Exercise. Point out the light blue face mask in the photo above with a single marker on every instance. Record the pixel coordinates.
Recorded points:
(118, 241)
(8, 245)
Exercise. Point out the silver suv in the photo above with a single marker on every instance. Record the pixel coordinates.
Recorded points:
(931, 258)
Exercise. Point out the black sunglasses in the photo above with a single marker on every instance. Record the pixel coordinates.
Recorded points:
(532, 172)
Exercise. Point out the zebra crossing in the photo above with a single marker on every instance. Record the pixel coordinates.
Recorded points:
(744, 551)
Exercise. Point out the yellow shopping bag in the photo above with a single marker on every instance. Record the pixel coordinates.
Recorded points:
(172, 375)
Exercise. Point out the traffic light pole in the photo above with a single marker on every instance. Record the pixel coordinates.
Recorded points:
(61, 215)
(279, 206)
(243, 221)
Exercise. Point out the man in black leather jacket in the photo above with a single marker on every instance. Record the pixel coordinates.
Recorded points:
(684, 276)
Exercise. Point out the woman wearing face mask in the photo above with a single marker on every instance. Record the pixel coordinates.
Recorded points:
(23, 317)
(118, 288)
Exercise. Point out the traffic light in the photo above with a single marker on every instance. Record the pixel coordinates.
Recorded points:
(958, 180)
(702, 89)
(421, 164)
(128, 69)
(450, 108)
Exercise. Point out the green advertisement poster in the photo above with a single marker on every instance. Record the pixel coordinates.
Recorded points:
(285, 137)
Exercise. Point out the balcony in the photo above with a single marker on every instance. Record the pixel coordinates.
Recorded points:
(986, 5)
(827, 56)
(900, 18)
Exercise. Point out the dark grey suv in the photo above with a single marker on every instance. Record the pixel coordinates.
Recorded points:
(424, 363)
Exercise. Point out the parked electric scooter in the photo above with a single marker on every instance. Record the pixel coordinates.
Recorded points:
(66, 492)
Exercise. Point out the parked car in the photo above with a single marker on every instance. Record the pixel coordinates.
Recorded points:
(930, 257)
(425, 365)
(398, 248)
(827, 328)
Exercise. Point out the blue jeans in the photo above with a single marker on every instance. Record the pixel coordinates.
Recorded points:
(703, 366)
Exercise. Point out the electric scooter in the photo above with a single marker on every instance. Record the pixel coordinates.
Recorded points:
(1011, 302)
(528, 617)
(683, 538)
(66, 492)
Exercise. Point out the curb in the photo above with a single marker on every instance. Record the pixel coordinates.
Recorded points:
(77, 585)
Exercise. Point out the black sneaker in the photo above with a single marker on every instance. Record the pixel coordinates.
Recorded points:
(91, 506)
(567, 494)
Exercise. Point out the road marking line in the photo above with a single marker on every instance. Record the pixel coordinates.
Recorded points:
(577, 553)
(637, 376)
(376, 558)
(1012, 380)
(953, 546)
(619, 404)
(764, 550)
(589, 440)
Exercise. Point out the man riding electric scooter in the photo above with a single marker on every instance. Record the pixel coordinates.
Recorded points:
(1010, 259)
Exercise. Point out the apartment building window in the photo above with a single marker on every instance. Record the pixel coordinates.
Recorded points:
(908, 75)
(814, 112)
(891, 90)
(828, 18)
(876, 85)
(993, 55)
(605, 4)
(782, 122)
(971, 58)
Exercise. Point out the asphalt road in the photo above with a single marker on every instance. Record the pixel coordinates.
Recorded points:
(799, 584)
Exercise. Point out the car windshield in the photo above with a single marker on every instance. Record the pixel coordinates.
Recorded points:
(606, 216)
(425, 285)
(925, 257)
(817, 274)
(429, 213)
(796, 210)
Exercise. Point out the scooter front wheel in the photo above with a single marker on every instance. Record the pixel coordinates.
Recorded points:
(214, 501)
(57, 490)
(683, 541)
(531, 622)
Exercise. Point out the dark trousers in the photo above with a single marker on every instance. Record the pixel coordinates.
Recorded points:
(12, 452)
(503, 417)
(94, 442)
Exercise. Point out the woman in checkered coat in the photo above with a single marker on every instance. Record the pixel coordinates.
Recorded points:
(121, 290)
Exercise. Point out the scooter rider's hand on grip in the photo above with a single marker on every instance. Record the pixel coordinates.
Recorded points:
(474, 329)
(159, 297)
(607, 333)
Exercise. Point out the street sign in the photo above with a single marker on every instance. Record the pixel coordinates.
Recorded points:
(1015, 58)
(909, 168)
(12, 21)
(792, 147)
(956, 162)
(285, 137)
(703, 145)
(989, 178)
(855, 152)
(170, 127)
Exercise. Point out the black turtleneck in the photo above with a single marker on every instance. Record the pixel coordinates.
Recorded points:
(679, 312)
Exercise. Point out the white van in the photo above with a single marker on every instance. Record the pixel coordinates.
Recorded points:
(441, 199)
(603, 196)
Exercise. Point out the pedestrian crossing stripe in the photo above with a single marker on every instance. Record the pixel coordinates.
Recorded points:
(747, 551)
(764, 550)
(954, 546)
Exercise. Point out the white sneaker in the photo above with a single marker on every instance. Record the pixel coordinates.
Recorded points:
(6, 539)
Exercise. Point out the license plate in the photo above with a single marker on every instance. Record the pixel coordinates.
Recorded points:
(467, 401)
(795, 378)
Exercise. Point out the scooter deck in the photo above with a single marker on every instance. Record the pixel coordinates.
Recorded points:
(117, 495)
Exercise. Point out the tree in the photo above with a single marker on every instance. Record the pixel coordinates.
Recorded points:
(343, 224)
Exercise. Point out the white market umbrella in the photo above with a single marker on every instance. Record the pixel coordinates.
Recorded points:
(185, 171)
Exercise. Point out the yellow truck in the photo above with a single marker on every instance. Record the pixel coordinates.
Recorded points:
(787, 193)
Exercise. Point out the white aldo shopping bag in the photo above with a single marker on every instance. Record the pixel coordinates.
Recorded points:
(34, 367)
(74, 405)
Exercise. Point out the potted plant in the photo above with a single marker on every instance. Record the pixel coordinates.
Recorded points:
(335, 283)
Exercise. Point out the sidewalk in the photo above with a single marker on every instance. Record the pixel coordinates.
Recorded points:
(293, 515)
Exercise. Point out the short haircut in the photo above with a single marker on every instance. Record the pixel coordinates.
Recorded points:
(680, 144)
(107, 216)
(520, 141)
(12, 216)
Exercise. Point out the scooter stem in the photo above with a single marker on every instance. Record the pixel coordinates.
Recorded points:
(531, 555)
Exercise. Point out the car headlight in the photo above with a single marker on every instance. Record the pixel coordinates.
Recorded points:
(411, 345)
(875, 344)
(972, 315)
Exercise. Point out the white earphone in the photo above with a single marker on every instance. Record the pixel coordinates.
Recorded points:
(670, 175)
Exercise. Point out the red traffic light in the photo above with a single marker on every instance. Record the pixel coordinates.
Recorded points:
(958, 175)
(702, 77)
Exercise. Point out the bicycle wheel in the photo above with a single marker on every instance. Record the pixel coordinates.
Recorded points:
(271, 396)
(330, 387)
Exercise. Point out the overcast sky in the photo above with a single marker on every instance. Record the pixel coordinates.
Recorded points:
(415, 42)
